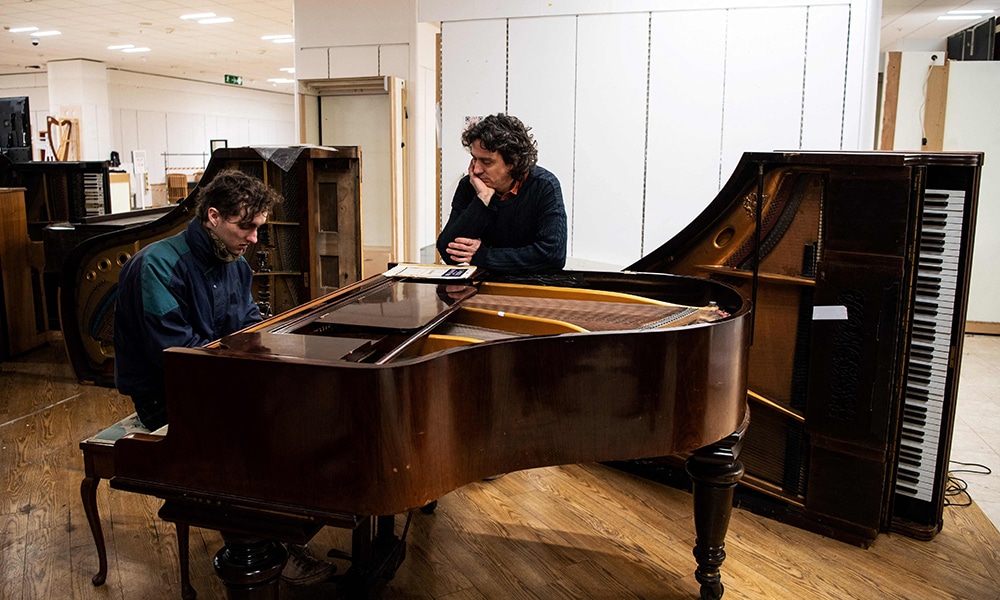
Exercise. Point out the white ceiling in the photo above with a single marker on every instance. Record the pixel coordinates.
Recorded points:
(188, 50)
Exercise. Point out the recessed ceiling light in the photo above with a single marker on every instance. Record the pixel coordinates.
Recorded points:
(287, 40)
(276, 37)
(281, 80)
(985, 11)
(215, 20)
(957, 17)
(121, 46)
(198, 16)
(287, 69)
(131, 50)
(46, 33)
(22, 29)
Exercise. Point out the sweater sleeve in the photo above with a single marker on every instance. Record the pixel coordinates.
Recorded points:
(469, 218)
(546, 229)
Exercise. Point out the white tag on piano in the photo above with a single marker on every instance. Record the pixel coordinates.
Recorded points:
(837, 312)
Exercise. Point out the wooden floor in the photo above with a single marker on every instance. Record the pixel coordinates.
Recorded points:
(580, 531)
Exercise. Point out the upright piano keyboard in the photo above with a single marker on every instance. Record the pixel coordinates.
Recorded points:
(939, 273)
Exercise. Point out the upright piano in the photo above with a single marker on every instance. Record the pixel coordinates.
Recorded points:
(860, 290)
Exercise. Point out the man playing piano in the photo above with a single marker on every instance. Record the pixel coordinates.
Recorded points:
(188, 290)
(507, 215)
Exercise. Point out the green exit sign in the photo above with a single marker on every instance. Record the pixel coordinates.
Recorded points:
(234, 79)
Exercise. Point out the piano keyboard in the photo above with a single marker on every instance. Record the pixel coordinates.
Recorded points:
(930, 343)
(93, 193)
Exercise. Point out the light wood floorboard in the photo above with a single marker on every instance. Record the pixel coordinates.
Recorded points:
(576, 531)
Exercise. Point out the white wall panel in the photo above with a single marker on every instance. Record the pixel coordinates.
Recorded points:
(312, 63)
(186, 133)
(610, 137)
(473, 83)
(541, 90)
(153, 139)
(685, 120)
(764, 67)
(353, 61)
(127, 136)
(394, 59)
(826, 57)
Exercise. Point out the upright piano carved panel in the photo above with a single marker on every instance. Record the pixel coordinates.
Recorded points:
(289, 261)
(860, 299)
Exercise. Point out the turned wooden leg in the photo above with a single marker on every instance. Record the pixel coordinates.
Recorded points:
(88, 492)
(183, 535)
(250, 567)
(715, 470)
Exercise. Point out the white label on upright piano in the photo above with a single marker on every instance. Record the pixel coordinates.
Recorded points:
(837, 312)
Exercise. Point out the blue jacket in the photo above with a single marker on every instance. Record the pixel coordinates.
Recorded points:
(176, 292)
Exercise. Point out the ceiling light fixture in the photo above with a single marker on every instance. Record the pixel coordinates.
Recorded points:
(281, 80)
(287, 69)
(197, 16)
(984, 11)
(131, 50)
(957, 17)
(275, 37)
(287, 40)
(46, 33)
(215, 20)
(22, 29)
(121, 46)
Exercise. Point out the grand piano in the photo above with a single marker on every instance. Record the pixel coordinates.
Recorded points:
(384, 396)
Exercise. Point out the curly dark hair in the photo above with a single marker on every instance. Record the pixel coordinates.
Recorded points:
(236, 194)
(508, 136)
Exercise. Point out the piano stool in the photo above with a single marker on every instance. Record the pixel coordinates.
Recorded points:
(98, 464)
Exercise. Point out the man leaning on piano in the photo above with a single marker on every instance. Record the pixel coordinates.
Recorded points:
(507, 215)
(191, 289)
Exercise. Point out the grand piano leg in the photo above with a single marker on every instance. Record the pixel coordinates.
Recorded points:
(250, 567)
(715, 470)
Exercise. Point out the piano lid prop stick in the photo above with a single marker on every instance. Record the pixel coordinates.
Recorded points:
(756, 246)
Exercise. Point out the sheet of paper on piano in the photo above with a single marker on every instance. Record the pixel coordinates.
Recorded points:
(432, 272)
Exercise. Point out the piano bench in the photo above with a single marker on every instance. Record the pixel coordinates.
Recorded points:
(98, 464)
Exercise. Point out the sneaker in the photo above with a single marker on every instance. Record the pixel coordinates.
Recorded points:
(303, 568)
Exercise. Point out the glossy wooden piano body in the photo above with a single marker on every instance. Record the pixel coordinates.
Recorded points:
(367, 403)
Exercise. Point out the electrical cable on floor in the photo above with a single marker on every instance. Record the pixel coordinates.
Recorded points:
(957, 488)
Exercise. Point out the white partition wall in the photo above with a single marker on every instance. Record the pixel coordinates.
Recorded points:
(473, 84)
(685, 120)
(643, 113)
(610, 137)
(542, 90)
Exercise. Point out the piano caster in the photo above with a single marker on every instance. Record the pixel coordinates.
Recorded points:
(428, 509)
